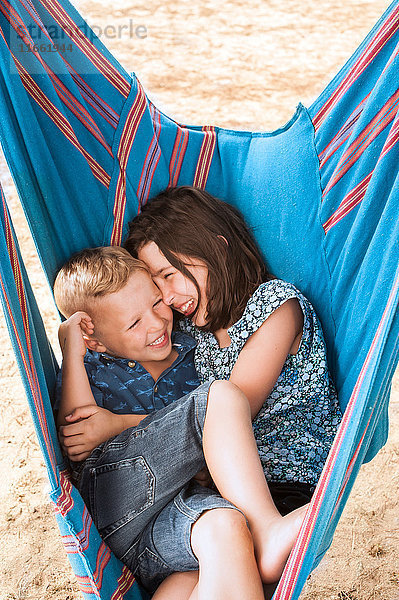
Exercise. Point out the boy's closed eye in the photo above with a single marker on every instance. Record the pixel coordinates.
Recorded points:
(157, 303)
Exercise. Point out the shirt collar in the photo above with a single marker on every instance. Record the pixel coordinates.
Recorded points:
(182, 342)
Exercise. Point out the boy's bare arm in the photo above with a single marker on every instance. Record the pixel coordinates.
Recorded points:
(83, 425)
(75, 388)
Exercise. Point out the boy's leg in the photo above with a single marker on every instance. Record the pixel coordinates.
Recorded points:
(126, 481)
(129, 479)
(199, 529)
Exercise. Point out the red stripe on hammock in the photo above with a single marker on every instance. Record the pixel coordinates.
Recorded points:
(64, 502)
(128, 136)
(379, 122)
(356, 195)
(151, 159)
(178, 153)
(59, 120)
(342, 135)
(62, 91)
(382, 36)
(125, 582)
(351, 200)
(61, 17)
(92, 585)
(205, 157)
(288, 580)
(27, 362)
(75, 544)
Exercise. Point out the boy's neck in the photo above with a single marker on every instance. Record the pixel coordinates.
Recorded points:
(157, 367)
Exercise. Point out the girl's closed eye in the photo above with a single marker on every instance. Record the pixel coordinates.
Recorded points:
(134, 324)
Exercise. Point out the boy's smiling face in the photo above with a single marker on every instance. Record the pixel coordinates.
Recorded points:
(133, 323)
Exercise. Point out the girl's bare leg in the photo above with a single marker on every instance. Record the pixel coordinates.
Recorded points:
(178, 586)
(233, 461)
(223, 544)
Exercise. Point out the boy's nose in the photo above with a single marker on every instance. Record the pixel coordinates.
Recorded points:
(157, 322)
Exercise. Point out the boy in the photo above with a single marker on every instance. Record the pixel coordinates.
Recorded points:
(136, 485)
(127, 388)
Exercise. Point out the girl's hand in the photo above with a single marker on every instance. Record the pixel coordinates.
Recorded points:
(72, 332)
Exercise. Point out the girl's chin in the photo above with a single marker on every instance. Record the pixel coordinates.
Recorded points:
(188, 313)
(198, 320)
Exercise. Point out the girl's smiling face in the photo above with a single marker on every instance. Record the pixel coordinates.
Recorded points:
(178, 290)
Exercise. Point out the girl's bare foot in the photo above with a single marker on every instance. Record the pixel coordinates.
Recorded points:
(274, 542)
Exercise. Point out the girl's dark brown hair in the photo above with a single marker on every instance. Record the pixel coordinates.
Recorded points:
(188, 223)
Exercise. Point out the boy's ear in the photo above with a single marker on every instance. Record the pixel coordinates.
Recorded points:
(94, 344)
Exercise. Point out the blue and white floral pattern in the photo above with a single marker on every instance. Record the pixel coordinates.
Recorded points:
(298, 421)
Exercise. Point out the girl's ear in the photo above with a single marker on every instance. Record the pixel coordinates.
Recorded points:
(93, 344)
(224, 239)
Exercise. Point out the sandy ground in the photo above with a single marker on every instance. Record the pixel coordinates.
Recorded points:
(240, 65)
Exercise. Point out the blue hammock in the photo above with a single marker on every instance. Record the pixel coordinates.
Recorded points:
(87, 149)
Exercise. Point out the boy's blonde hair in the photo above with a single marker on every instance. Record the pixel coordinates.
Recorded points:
(92, 273)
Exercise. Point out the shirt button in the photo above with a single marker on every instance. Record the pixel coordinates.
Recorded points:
(155, 389)
(131, 363)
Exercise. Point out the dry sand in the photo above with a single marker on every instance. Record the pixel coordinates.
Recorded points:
(240, 65)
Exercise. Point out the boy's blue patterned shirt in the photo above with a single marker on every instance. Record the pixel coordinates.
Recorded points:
(124, 386)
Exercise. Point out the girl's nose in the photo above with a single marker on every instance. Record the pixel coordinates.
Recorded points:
(167, 295)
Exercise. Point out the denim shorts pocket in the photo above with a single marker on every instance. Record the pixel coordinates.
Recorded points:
(151, 570)
(119, 492)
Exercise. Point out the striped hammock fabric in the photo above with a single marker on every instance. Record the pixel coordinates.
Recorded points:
(87, 149)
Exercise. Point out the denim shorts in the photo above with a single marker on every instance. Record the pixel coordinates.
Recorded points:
(165, 544)
(135, 487)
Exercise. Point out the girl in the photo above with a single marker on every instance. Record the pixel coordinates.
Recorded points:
(256, 330)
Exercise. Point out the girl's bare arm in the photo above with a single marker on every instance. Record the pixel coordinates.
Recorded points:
(263, 356)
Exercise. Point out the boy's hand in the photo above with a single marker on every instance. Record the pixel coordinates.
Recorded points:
(71, 334)
(89, 426)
